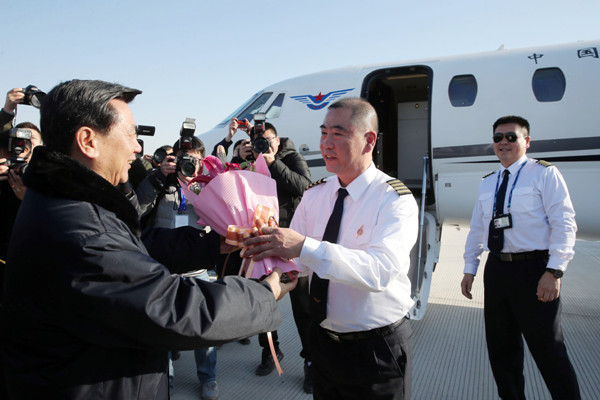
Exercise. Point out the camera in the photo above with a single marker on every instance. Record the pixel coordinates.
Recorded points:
(259, 124)
(186, 164)
(145, 130)
(159, 155)
(17, 164)
(33, 96)
(260, 145)
(19, 139)
(187, 132)
(241, 124)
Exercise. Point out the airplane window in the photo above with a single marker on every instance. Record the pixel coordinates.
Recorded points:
(275, 108)
(548, 84)
(462, 90)
(249, 108)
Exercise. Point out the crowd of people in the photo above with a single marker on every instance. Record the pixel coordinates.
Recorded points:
(122, 268)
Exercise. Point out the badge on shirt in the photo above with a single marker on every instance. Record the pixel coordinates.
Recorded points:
(181, 220)
(360, 231)
(503, 221)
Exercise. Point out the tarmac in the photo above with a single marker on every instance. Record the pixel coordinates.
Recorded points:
(450, 355)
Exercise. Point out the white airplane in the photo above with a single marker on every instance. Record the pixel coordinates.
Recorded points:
(436, 119)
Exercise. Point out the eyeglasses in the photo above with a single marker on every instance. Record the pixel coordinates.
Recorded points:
(510, 136)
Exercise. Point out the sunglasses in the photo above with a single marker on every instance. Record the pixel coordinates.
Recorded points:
(510, 136)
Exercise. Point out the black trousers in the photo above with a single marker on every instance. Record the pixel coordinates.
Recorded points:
(300, 300)
(301, 309)
(512, 311)
(379, 367)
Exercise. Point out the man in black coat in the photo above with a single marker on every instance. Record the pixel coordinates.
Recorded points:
(91, 314)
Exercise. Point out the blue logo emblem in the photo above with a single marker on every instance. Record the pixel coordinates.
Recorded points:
(321, 100)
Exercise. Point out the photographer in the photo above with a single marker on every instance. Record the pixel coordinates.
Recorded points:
(159, 155)
(233, 127)
(14, 156)
(242, 151)
(30, 95)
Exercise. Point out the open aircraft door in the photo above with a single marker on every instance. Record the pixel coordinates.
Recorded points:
(401, 97)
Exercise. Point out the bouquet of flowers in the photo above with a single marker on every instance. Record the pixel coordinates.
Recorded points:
(237, 201)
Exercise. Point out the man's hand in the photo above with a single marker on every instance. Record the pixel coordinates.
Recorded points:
(466, 285)
(16, 184)
(226, 248)
(269, 157)
(236, 124)
(13, 97)
(280, 289)
(245, 150)
(168, 166)
(548, 288)
(275, 242)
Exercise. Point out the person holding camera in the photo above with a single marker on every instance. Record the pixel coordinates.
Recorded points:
(224, 144)
(16, 147)
(15, 144)
(163, 205)
(30, 95)
(159, 155)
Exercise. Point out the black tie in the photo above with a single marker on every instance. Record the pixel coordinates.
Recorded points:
(318, 286)
(496, 236)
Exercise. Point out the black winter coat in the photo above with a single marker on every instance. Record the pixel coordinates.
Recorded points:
(87, 313)
(291, 173)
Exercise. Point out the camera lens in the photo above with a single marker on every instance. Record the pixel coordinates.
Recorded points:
(188, 168)
(159, 155)
(260, 145)
(186, 165)
(33, 96)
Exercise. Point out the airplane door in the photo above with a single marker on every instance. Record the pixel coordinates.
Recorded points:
(412, 141)
(401, 97)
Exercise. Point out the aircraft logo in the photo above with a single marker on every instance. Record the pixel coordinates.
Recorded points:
(321, 100)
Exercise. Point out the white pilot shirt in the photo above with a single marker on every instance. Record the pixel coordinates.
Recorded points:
(368, 268)
(542, 215)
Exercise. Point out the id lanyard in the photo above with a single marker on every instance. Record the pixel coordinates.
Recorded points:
(511, 190)
(182, 206)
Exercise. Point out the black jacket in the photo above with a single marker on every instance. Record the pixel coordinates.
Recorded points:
(87, 313)
(291, 173)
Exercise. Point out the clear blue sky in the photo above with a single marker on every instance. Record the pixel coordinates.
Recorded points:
(202, 59)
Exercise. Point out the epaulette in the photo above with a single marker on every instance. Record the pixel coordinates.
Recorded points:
(491, 173)
(544, 163)
(399, 187)
(315, 183)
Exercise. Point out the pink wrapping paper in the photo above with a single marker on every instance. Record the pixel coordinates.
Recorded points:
(231, 198)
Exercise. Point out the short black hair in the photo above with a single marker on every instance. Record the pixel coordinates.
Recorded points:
(76, 103)
(268, 127)
(512, 119)
(196, 145)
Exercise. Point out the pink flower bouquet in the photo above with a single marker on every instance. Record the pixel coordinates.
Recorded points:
(235, 203)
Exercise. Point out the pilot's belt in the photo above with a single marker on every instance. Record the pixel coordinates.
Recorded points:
(360, 335)
(527, 255)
